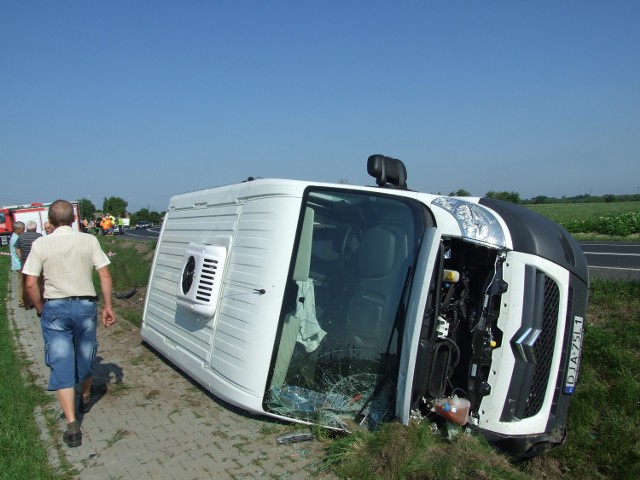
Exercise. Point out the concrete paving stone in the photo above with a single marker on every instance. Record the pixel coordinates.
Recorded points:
(99, 473)
(111, 470)
(152, 442)
(156, 423)
(214, 467)
(160, 438)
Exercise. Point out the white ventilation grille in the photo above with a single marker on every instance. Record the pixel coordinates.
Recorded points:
(200, 278)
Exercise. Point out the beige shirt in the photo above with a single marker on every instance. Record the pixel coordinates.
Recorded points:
(66, 258)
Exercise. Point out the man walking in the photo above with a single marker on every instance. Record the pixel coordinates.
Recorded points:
(16, 263)
(69, 311)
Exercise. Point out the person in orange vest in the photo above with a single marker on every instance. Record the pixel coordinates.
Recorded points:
(107, 224)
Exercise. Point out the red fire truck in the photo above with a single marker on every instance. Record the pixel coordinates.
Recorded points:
(37, 212)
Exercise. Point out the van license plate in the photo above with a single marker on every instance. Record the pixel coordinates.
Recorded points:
(573, 365)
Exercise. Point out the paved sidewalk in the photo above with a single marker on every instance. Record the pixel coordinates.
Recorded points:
(154, 423)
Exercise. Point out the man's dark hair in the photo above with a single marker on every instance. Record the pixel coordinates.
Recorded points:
(61, 213)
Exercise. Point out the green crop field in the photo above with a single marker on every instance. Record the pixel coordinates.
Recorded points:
(619, 219)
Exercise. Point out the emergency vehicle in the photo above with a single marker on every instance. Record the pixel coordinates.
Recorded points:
(37, 212)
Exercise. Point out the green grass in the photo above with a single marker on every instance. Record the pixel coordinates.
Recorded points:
(414, 452)
(130, 267)
(603, 427)
(130, 262)
(22, 454)
(604, 420)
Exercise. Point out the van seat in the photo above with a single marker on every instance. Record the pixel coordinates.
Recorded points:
(380, 259)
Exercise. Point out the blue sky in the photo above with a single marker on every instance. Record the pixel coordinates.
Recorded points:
(146, 99)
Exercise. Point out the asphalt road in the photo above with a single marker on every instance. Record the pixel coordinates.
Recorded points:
(151, 233)
(612, 259)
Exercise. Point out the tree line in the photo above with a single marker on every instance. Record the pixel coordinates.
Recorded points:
(514, 197)
(117, 207)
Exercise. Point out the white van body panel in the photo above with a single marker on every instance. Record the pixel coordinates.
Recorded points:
(225, 352)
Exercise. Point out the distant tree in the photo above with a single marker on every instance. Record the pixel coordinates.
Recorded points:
(145, 214)
(461, 192)
(86, 208)
(116, 206)
(584, 198)
(513, 197)
(609, 198)
(540, 199)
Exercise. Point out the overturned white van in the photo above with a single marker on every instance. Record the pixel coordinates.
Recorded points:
(342, 305)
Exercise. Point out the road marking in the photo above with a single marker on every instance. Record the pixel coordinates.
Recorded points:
(150, 237)
(614, 254)
(608, 245)
(617, 268)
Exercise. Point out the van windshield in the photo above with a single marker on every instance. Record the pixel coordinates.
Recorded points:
(336, 357)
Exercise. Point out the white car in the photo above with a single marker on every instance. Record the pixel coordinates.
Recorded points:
(341, 305)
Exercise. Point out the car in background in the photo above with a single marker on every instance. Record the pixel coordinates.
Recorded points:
(143, 224)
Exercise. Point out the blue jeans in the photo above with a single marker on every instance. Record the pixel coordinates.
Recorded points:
(70, 345)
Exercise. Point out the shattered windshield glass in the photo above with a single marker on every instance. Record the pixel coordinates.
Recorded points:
(336, 361)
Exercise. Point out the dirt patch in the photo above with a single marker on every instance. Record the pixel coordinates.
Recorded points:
(130, 309)
(135, 301)
(544, 467)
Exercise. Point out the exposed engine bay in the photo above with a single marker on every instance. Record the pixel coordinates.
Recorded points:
(459, 330)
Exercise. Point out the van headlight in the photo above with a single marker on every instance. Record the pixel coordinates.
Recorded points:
(477, 224)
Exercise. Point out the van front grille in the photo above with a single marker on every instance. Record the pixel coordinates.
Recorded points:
(544, 347)
(533, 346)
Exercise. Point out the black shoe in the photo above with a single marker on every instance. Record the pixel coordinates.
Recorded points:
(95, 393)
(73, 436)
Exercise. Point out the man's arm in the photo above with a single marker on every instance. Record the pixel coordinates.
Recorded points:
(33, 289)
(108, 317)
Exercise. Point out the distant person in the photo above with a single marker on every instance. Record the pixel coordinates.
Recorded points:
(107, 224)
(16, 263)
(114, 223)
(69, 312)
(48, 228)
(23, 247)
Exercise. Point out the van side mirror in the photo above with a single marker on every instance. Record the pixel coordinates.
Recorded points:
(387, 171)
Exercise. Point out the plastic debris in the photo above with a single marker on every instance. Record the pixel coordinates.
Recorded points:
(295, 437)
